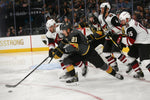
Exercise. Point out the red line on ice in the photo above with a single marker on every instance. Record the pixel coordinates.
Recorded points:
(79, 91)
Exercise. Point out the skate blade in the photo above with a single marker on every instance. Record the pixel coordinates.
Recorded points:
(72, 84)
(62, 80)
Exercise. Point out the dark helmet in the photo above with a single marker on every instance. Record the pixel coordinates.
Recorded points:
(65, 27)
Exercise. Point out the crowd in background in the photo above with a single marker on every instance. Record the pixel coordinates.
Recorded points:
(78, 16)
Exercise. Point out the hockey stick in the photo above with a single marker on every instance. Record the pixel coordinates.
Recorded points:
(13, 86)
(60, 16)
(109, 30)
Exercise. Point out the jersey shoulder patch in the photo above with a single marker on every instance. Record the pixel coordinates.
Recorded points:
(110, 15)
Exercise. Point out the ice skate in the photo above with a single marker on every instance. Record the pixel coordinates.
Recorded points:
(119, 76)
(139, 75)
(68, 79)
(115, 68)
(64, 77)
(72, 79)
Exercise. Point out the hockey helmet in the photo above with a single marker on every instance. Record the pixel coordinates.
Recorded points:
(105, 4)
(124, 15)
(50, 23)
(65, 27)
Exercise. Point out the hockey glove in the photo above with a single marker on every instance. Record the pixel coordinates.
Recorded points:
(57, 53)
(118, 39)
(72, 47)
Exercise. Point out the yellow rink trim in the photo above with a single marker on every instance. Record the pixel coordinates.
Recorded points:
(39, 49)
(24, 50)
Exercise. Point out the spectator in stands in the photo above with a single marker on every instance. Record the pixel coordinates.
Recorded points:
(66, 21)
(121, 5)
(21, 31)
(65, 9)
(134, 16)
(82, 23)
(8, 32)
(75, 23)
(24, 3)
(139, 13)
(45, 11)
(128, 5)
(147, 18)
(11, 31)
(147, 14)
(50, 9)
(94, 12)
(76, 17)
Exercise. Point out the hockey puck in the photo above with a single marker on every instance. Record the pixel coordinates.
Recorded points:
(10, 91)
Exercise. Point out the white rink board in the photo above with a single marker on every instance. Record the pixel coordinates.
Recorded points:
(18, 42)
(37, 41)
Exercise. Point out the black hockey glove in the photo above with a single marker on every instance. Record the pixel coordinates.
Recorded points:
(57, 52)
(71, 48)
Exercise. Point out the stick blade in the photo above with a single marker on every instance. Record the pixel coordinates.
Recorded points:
(10, 86)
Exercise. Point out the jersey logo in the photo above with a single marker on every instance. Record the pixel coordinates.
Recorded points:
(74, 39)
(117, 21)
(130, 34)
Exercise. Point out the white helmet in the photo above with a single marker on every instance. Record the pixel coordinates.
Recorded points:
(50, 23)
(124, 15)
(105, 4)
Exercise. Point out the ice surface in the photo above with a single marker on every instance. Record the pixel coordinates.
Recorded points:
(43, 84)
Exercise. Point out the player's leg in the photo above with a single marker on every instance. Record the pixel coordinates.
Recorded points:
(133, 54)
(144, 54)
(83, 65)
(68, 65)
(107, 53)
(98, 62)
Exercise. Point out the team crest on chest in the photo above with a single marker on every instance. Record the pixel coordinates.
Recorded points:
(74, 39)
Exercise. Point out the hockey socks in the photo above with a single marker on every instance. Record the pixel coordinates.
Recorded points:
(137, 69)
(122, 58)
(112, 62)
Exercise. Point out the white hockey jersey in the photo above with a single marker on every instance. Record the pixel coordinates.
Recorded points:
(136, 34)
(112, 22)
(55, 37)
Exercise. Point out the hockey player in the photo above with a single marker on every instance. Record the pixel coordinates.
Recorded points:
(111, 26)
(54, 36)
(75, 44)
(96, 37)
(137, 38)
